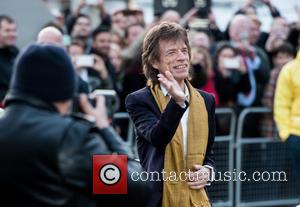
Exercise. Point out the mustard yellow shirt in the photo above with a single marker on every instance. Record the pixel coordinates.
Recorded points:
(287, 99)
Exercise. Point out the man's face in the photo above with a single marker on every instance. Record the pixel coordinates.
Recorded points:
(174, 57)
(82, 27)
(119, 21)
(102, 43)
(133, 33)
(8, 33)
(254, 32)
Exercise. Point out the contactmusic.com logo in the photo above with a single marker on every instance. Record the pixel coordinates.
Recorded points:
(110, 174)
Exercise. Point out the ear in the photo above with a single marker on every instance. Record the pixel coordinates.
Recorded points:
(155, 65)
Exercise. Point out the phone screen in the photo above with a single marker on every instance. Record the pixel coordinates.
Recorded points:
(85, 61)
(232, 63)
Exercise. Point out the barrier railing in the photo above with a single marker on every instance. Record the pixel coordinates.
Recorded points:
(122, 119)
(270, 180)
(221, 193)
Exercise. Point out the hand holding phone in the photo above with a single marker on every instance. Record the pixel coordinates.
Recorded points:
(85, 61)
(232, 63)
(97, 112)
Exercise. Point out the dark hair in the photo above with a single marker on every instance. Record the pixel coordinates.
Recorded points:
(77, 42)
(100, 29)
(221, 46)
(151, 49)
(286, 48)
(71, 23)
(6, 18)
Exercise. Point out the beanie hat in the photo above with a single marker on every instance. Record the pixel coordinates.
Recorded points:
(44, 71)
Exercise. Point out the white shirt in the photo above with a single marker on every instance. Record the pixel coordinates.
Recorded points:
(184, 118)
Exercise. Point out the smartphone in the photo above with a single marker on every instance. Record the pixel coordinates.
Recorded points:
(85, 61)
(199, 23)
(232, 63)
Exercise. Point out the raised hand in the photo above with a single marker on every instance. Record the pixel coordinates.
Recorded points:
(98, 113)
(173, 87)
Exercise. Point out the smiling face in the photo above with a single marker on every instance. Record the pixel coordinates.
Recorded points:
(174, 57)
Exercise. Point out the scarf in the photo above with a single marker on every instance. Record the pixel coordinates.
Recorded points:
(176, 192)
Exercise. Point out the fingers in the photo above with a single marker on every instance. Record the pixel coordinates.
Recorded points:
(100, 101)
(197, 167)
(169, 76)
(164, 81)
(196, 185)
(85, 105)
(101, 112)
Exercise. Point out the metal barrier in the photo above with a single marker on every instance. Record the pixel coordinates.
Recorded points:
(221, 193)
(262, 158)
(129, 138)
(130, 127)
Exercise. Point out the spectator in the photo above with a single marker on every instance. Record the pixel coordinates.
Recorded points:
(255, 32)
(286, 110)
(281, 56)
(117, 37)
(55, 164)
(119, 21)
(256, 61)
(200, 39)
(231, 79)
(278, 33)
(132, 32)
(75, 50)
(8, 52)
(170, 16)
(50, 35)
(102, 40)
(202, 74)
(93, 73)
(82, 29)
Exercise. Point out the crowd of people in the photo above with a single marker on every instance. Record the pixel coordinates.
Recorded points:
(239, 66)
(235, 68)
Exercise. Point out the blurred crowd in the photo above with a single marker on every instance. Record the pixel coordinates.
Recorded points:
(239, 66)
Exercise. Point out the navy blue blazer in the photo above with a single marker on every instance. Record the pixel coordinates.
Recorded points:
(154, 130)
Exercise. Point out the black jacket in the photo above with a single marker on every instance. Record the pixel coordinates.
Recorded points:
(7, 58)
(46, 159)
(154, 130)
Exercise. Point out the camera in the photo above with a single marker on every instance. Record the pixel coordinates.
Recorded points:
(112, 101)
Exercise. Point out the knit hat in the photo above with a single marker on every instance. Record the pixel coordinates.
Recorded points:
(44, 71)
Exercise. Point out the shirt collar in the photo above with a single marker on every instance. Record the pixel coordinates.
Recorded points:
(186, 91)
